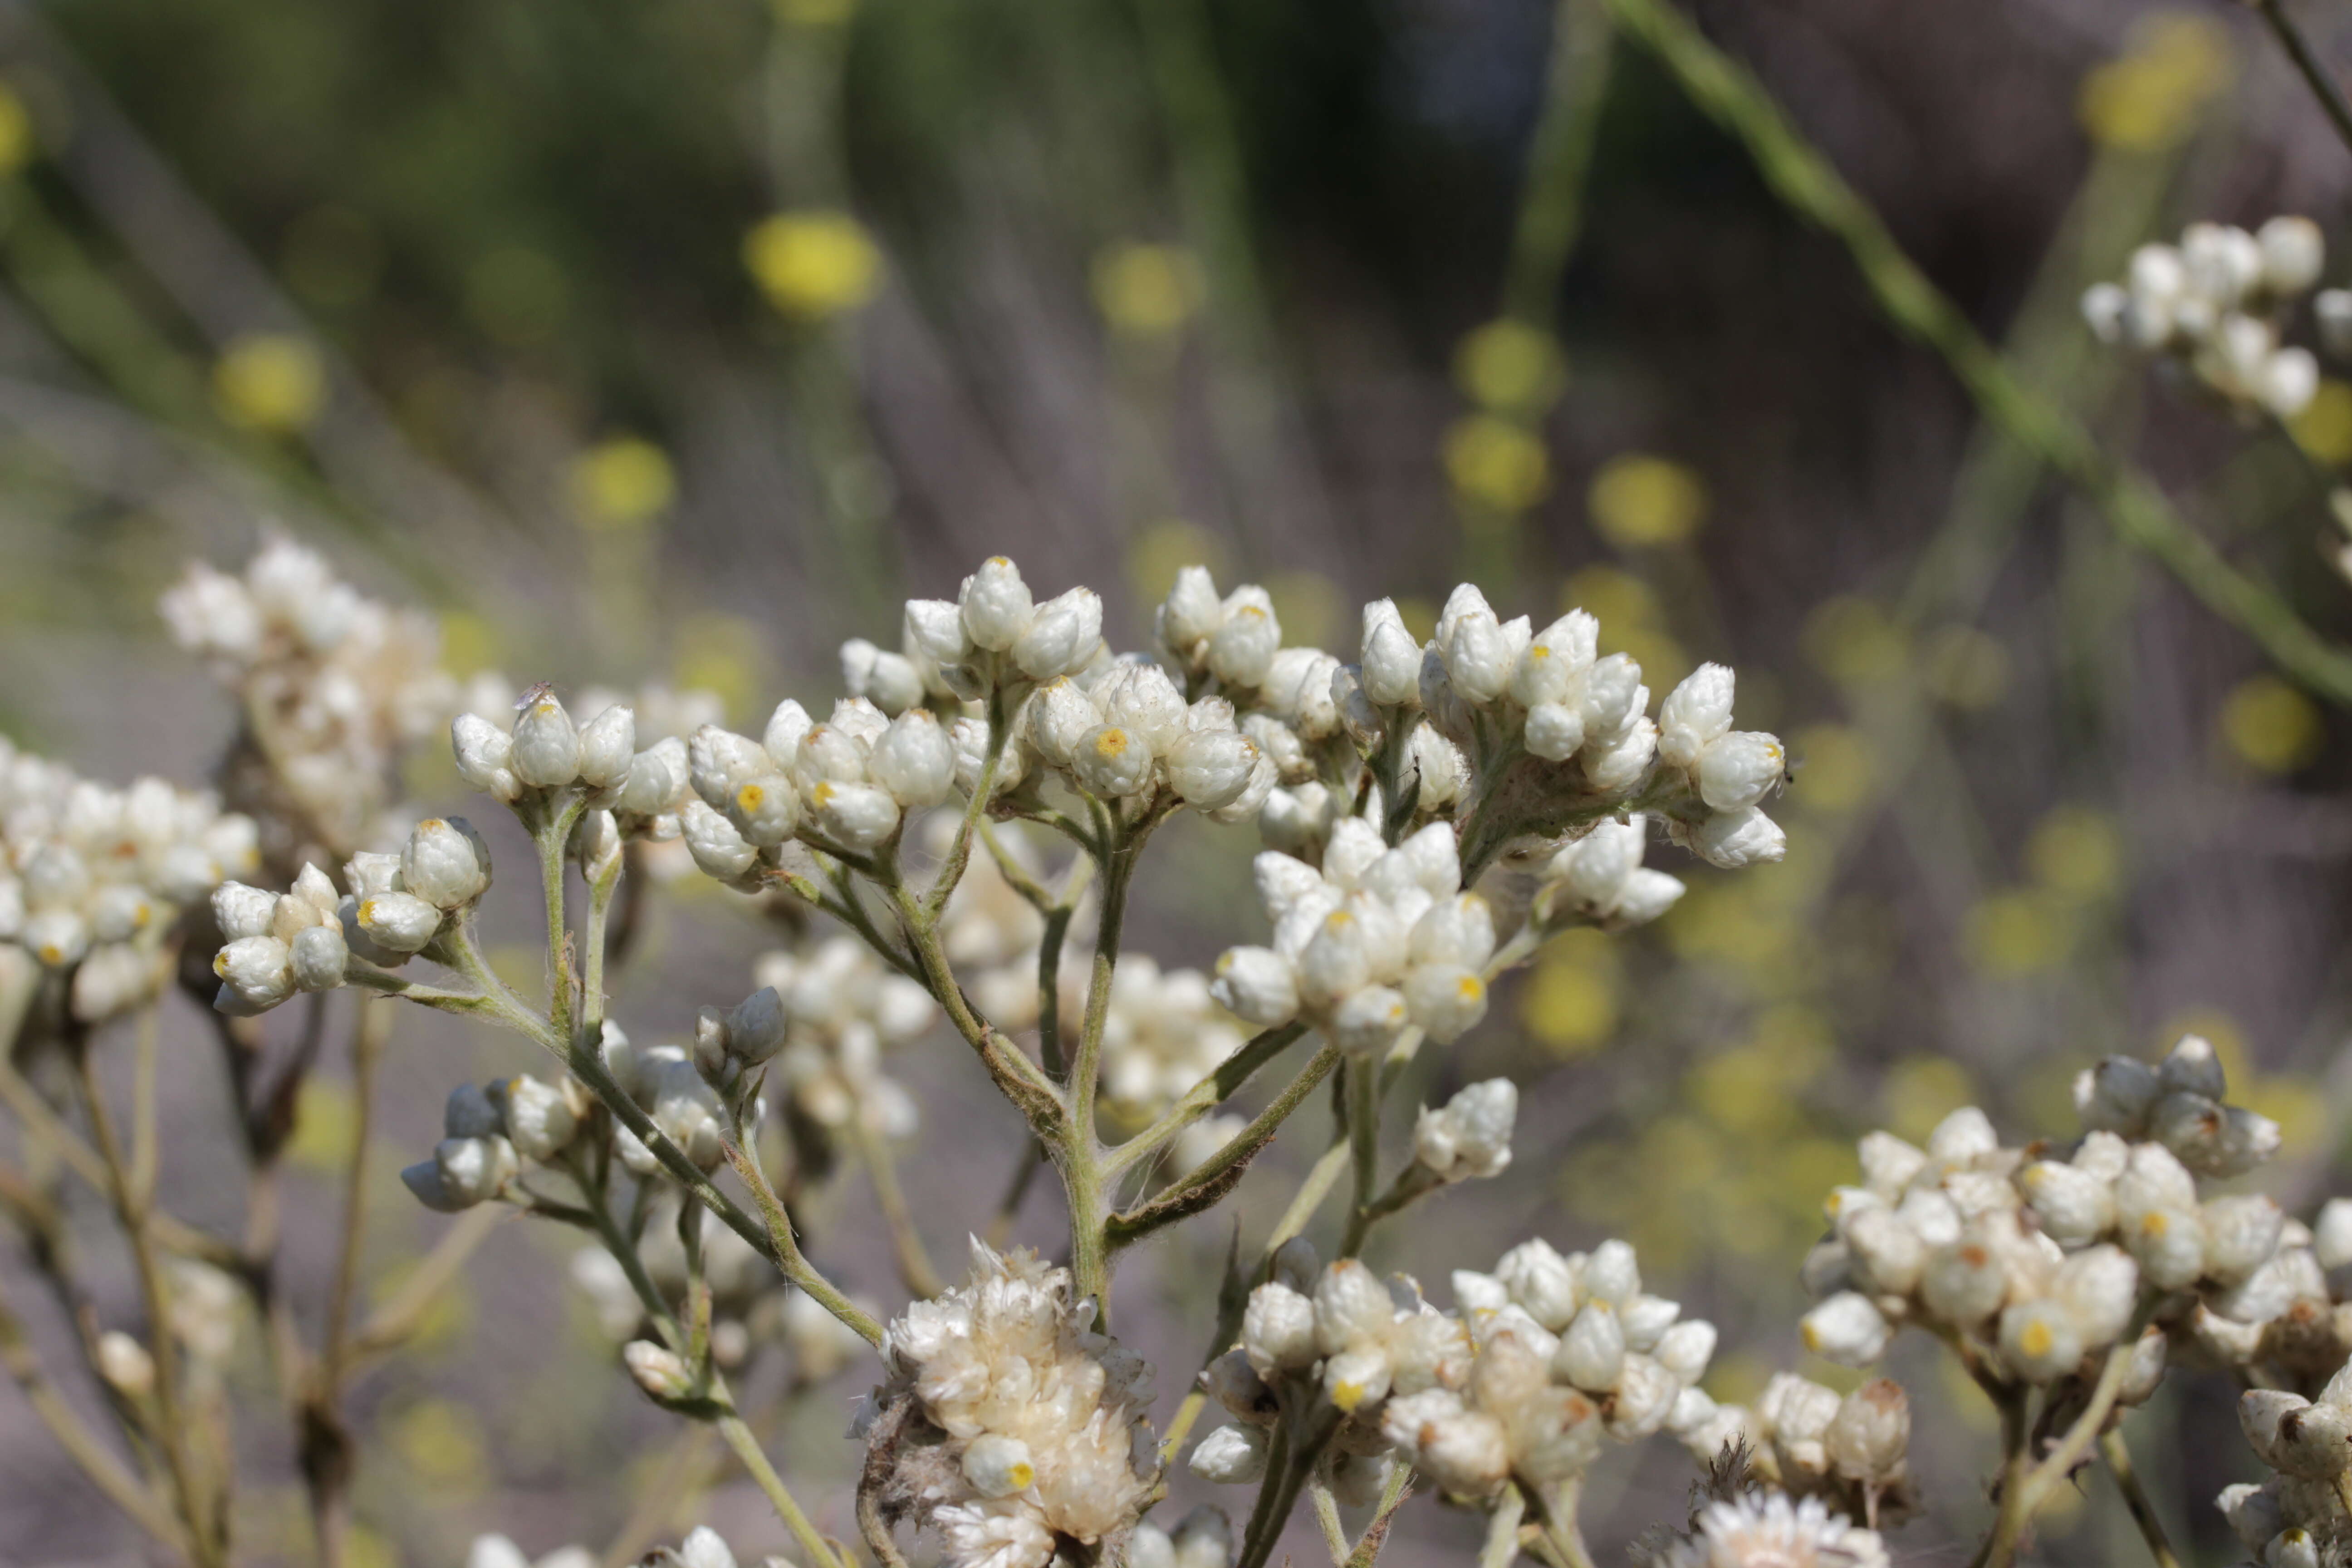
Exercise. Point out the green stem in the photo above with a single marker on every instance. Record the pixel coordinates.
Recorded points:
(1502, 1548)
(1551, 211)
(1206, 1095)
(1207, 1183)
(1363, 1146)
(2117, 1454)
(2133, 505)
(2314, 72)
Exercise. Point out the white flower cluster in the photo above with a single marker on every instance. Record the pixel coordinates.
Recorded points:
(1601, 878)
(1470, 1137)
(702, 1548)
(2046, 1262)
(486, 1133)
(1121, 731)
(840, 1011)
(92, 877)
(627, 793)
(842, 784)
(334, 687)
(499, 1551)
(994, 636)
(2299, 1517)
(1809, 1441)
(1201, 1539)
(670, 1086)
(1550, 1357)
(1376, 941)
(1162, 1033)
(1042, 1418)
(1767, 1530)
(302, 940)
(2215, 304)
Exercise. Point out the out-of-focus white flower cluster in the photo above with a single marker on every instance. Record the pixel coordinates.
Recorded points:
(1162, 1033)
(1808, 1440)
(333, 688)
(1042, 1418)
(1548, 1358)
(2215, 305)
(500, 1552)
(1121, 731)
(1470, 1136)
(841, 1012)
(1375, 941)
(486, 1133)
(2043, 1264)
(92, 878)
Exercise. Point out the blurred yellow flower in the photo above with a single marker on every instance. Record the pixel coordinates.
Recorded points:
(1497, 464)
(1640, 501)
(2324, 428)
(1965, 666)
(441, 1440)
(2020, 930)
(1311, 607)
(1161, 549)
(1147, 291)
(469, 643)
(1613, 596)
(1570, 1002)
(366, 1548)
(722, 654)
(813, 264)
(2149, 98)
(1850, 640)
(623, 482)
(1419, 616)
(326, 1120)
(17, 140)
(1920, 1091)
(1834, 768)
(271, 382)
(1509, 367)
(2270, 726)
(815, 13)
(2078, 852)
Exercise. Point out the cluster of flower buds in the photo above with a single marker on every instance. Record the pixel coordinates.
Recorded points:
(1042, 1440)
(545, 752)
(838, 1011)
(486, 1135)
(1764, 1528)
(702, 1548)
(845, 784)
(92, 877)
(2047, 1263)
(2215, 304)
(669, 1086)
(278, 943)
(334, 689)
(1377, 940)
(995, 635)
(1162, 1033)
(1123, 732)
(1572, 1353)
(1327, 1344)
(2300, 1517)
(1471, 1136)
(1601, 878)
(1233, 639)
(1809, 1441)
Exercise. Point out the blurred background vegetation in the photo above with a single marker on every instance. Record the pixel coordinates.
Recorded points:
(680, 341)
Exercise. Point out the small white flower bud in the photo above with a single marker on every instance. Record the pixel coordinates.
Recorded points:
(1230, 1455)
(546, 745)
(1456, 930)
(998, 1465)
(1471, 1136)
(659, 1369)
(1645, 1397)
(241, 911)
(1278, 1330)
(1611, 1274)
(2292, 254)
(1355, 1379)
(1369, 1021)
(1445, 999)
(2074, 1206)
(755, 1026)
(2097, 1287)
(2169, 1245)
(1734, 841)
(1466, 1452)
(1061, 636)
(1478, 660)
(607, 745)
(1392, 659)
(2240, 1233)
(1190, 614)
(1255, 984)
(1694, 714)
(2104, 306)
(1686, 1348)
(1591, 1353)
(1737, 770)
(316, 956)
(539, 1121)
(716, 848)
(1111, 763)
(399, 922)
(1541, 1283)
(257, 971)
(936, 626)
(1211, 768)
(765, 809)
(1846, 1328)
(2039, 1341)
(1555, 731)
(913, 761)
(996, 605)
(484, 755)
(445, 863)
(2332, 1233)
(854, 816)
(1242, 651)
(125, 1365)
(1871, 1434)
